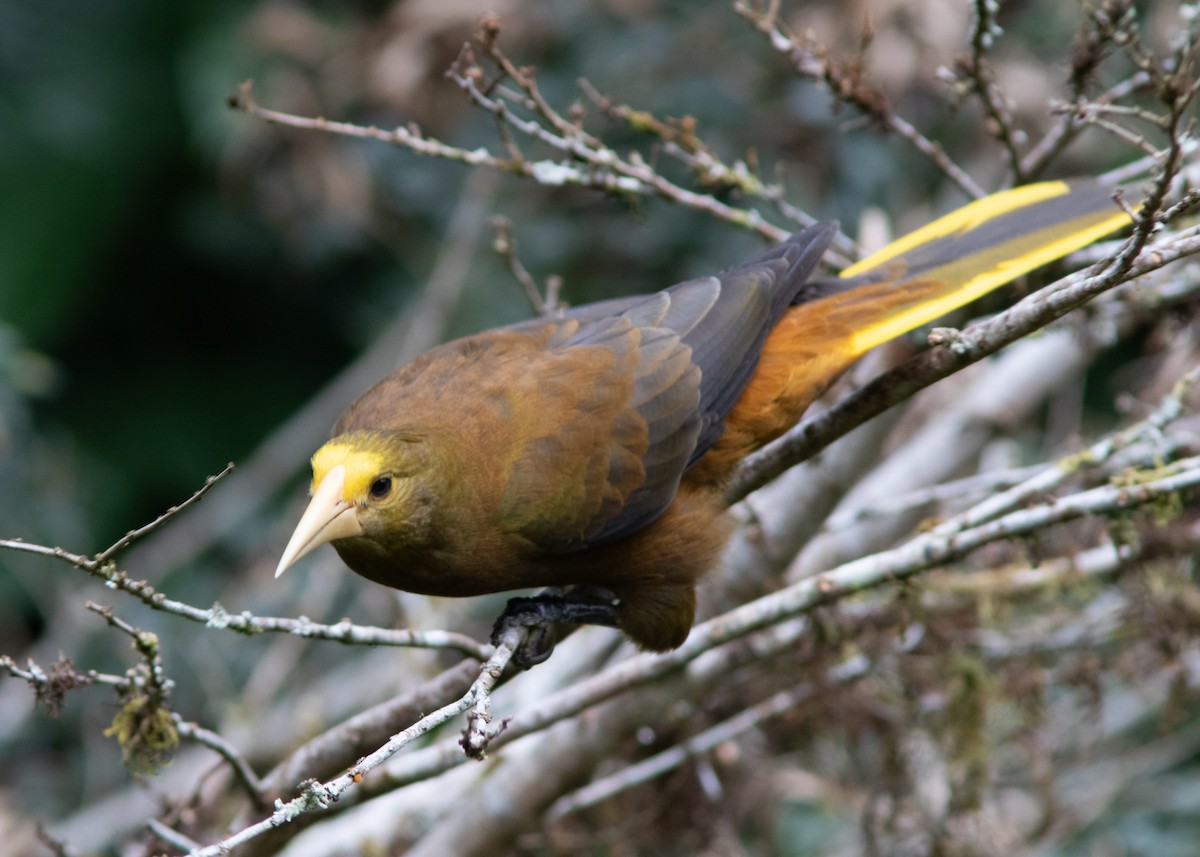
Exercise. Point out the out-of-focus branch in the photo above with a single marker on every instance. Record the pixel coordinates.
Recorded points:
(171, 836)
(975, 72)
(593, 163)
(1168, 410)
(680, 140)
(847, 82)
(504, 242)
(749, 718)
(237, 762)
(988, 482)
(1094, 44)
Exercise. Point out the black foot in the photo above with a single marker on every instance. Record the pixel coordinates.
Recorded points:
(540, 614)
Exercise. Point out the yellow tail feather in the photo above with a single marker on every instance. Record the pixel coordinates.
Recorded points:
(975, 249)
(936, 269)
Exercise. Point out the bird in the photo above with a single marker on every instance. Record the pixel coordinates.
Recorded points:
(586, 451)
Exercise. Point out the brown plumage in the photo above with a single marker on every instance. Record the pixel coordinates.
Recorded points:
(591, 448)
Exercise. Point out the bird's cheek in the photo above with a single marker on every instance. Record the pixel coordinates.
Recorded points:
(415, 514)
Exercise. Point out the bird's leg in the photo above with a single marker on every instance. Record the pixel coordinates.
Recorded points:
(540, 613)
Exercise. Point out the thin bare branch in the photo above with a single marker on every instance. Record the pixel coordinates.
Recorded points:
(845, 82)
(247, 623)
(171, 836)
(316, 796)
(504, 242)
(974, 70)
(133, 535)
(237, 762)
(1168, 410)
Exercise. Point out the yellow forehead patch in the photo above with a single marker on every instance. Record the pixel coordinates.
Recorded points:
(361, 466)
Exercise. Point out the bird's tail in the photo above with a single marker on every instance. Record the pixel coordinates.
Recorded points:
(968, 252)
(916, 279)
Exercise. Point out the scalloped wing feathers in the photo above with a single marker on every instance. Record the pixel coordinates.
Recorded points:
(586, 423)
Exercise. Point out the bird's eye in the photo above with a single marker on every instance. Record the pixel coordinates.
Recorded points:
(381, 487)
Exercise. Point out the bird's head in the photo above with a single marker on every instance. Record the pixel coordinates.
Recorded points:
(364, 487)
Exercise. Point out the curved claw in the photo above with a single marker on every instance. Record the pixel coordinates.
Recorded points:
(538, 615)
